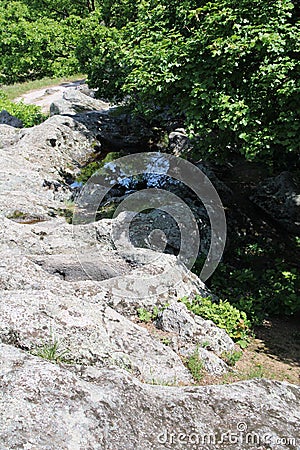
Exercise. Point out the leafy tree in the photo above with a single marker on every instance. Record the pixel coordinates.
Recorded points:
(32, 49)
(30, 115)
(230, 67)
(60, 9)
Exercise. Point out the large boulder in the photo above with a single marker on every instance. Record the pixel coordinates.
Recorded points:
(86, 333)
(7, 119)
(179, 142)
(192, 329)
(8, 136)
(57, 144)
(118, 130)
(280, 198)
(52, 151)
(190, 334)
(76, 101)
(50, 406)
(128, 280)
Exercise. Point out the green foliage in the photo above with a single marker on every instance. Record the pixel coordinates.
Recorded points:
(231, 358)
(30, 115)
(165, 340)
(52, 352)
(60, 10)
(259, 293)
(106, 212)
(32, 46)
(147, 316)
(17, 214)
(255, 372)
(87, 171)
(196, 366)
(258, 277)
(223, 314)
(67, 212)
(231, 68)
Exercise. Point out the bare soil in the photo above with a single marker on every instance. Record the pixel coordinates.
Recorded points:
(273, 353)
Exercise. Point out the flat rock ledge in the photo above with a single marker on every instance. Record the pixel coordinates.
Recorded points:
(49, 406)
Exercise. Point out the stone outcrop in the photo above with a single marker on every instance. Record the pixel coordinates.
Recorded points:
(8, 119)
(50, 151)
(280, 198)
(194, 334)
(76, 101)
(52, 406)
(179, 142)
(77, 368)
(116, 129)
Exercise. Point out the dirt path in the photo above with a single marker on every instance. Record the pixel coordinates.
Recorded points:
(44, 97)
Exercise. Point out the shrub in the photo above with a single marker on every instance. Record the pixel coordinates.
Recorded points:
(223, 314)
(33, 47)
(230, 68)
(30, 115)
(259, 293)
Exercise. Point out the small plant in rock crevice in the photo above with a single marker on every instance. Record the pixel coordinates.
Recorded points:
(196, 365)
(232, 357)
(52, 351)
(147, 316)
(165, 340)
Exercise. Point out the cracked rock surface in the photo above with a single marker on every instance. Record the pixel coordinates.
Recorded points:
(77, 369)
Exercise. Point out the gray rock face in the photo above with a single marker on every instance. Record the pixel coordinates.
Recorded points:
(280, 198)
(89, 254)
(76, 101)
(8, 135)
(8, 119)
(194, 329)
(52, 150)
(57, 143)
(116, 130)
(36, 296)
(87, 333)
(69, 294)
(193, 334)
(50, 406)
(178, 142)
(70, 268)
(85, 89)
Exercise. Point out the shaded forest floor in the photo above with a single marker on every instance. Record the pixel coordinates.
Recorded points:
(273, 353)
